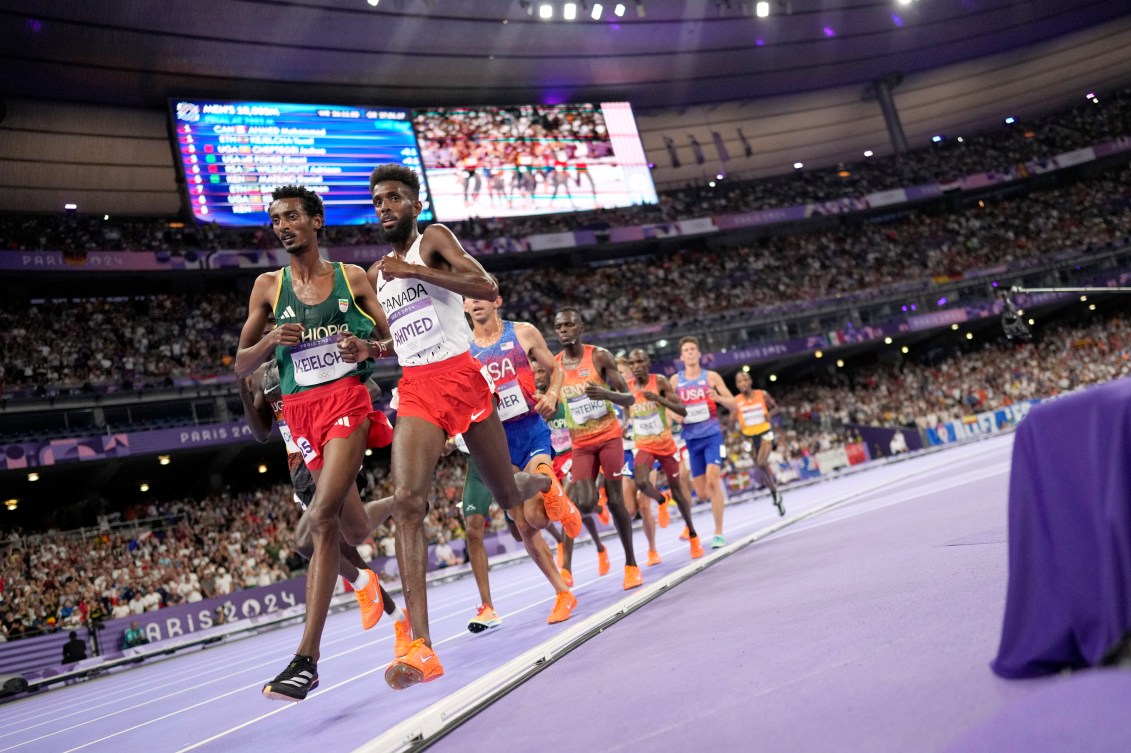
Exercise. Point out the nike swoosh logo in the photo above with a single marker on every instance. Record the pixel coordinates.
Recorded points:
(426, 659)
(475, 416)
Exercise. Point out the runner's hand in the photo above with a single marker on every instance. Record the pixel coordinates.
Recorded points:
(353, 349)
(288, 335)
(392, 268)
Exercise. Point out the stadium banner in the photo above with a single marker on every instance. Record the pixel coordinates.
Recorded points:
(980, 424)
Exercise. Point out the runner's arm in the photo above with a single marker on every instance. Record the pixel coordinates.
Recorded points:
(256, 411)
(669, 398)
(256, 347)
(536, 349)
(607, 368)
(723, 394)
(446, 265)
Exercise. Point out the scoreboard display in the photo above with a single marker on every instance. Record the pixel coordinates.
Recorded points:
(234, 154)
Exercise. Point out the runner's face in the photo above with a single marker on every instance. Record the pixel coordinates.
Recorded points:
(481, 311)
(294, 228)
(689, 354)
(743, 381)
(639, 362)
(397, 210)
(568, 327)
(541, 376)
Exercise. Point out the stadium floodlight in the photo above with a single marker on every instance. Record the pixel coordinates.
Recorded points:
(618, 11)
(762, 9)
(798, 165)
(373, 2)
(70, 207)
(905, 2)
(569, 11)
(545, 11)
(596, 12)
(868, 152)
(1010, 120)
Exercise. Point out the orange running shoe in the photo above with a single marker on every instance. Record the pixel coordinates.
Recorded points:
(696, 548)
(632, 578)
(603, 508)
(665, 516)
(559, 508)
(560, 559)
(419, 664)
(686, 535)
(653, 557)
(603, 562)
(563, 608)
(567, 576)
(402, 630)
(369, 599)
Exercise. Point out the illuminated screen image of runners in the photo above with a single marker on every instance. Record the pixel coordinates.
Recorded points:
(532, 159)
(234, 154)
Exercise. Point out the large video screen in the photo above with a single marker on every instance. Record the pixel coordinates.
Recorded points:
(533, 159)
(235, 154)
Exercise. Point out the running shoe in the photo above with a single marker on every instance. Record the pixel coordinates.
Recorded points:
(563, 608)
(560, 559)
(567, 576)
(603, 562)
(718, 542)
(402, 632)
(665, 516)
(653, 557)
(485, 618)
(632, 578)
(778, 504)
(293, 683)
(419, 664)
(696, 548)
(685, 535)
(559, 507)
(369, 599)
(603, 508)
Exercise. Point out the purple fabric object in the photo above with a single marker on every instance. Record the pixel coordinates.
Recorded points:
(1069, 594)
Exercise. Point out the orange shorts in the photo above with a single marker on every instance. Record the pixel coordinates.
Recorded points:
(317, 415)
(452, 394)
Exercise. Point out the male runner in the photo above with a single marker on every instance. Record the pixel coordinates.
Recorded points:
(563, 464)
(755, 409)
(507, 349)
(633, 501)
(443, 391)
(654, 443)
(262, 399)
(325, 402)
(591, 386)
(700, 390)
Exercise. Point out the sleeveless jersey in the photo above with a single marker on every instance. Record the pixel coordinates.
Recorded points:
(559, 431)
(272, 390)
(426, 321)
(509, 368)
(650, 421)
(590, 422)
(752, 413)
(702, 414)
(315, 361)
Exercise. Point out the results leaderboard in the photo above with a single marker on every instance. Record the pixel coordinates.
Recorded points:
(234, 154)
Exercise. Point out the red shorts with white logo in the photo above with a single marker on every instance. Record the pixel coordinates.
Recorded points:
(332, 411)
(452, 394)
(563, 466)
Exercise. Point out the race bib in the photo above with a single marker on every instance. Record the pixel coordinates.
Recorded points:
(560, 440)
(318, 361)
(306, 448)
(753, 415)
(415, 327)
(582, 409)
(648, 426)
(288, 440)
(697, 413)
(512, 403)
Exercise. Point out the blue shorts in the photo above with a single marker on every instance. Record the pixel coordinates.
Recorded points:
(705, 451)
(527, 437)
(629, 469)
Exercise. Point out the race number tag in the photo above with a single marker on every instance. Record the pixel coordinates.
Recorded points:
(319, 361)
(415, 327)
(288, 440)
(306, 448)
(647, 426)
(697, 413)
(753, 415)
(582, 409)
(512, 403)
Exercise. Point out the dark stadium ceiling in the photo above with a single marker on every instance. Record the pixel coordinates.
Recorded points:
(420, 52)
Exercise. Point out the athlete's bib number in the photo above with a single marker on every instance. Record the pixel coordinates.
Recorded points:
(753, 415)
(307, 449)
(318, 362)
(582, 409)
(648, 426)
(415, 327)
(697, 413)
(288, 440)
(512, 403)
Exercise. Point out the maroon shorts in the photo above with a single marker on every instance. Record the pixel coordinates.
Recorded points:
(669, 464)
(607, 455)
(317, 415)
(452, 394)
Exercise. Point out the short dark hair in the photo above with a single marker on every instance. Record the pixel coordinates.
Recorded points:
(571, 310)
(393, 171)
(311, 202)
(688, 339)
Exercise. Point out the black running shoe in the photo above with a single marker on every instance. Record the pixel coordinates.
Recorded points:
(778, 504)
(293, 683)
